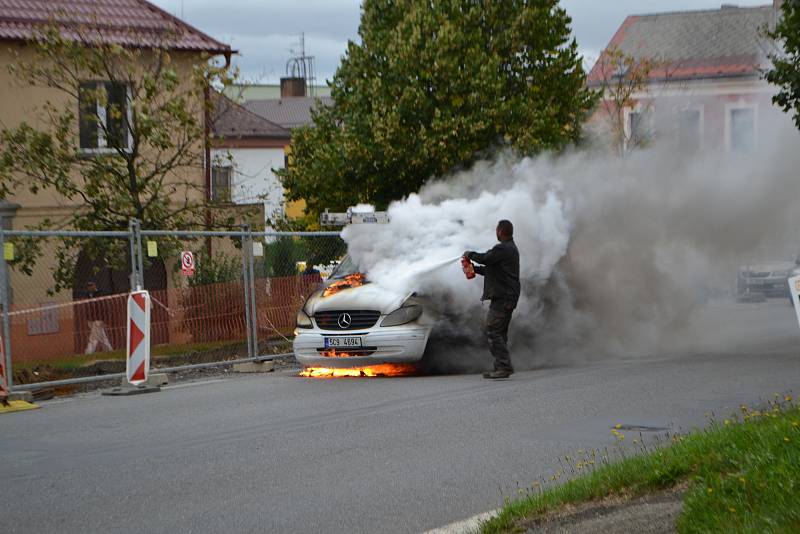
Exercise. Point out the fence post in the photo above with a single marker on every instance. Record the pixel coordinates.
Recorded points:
(137, 269)
(253, 308)
(4, 284)
(246, 287)
(139, 259)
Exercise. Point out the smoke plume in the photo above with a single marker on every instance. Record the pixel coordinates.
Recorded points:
(615, 254)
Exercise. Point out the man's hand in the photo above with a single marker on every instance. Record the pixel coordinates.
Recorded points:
(467, 254)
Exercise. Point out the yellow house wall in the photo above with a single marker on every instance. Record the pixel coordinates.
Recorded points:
(22, 103)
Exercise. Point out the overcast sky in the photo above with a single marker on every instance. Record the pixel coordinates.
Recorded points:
(265, 31)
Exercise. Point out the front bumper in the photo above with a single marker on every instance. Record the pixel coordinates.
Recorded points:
(769, 287)
(393, 344)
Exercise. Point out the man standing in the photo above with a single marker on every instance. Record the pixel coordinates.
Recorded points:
(500, 269)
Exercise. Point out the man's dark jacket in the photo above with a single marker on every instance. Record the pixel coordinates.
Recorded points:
(500, 268)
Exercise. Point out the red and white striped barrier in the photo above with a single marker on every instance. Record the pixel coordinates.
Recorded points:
(138, 362)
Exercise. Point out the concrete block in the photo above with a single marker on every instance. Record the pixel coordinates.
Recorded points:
(157, 379)
(254, 367)
(154, 380)
(125, 391)
(26, 396)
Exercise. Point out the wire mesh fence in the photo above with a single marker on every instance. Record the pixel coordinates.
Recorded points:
(289, 270)
(65, 304)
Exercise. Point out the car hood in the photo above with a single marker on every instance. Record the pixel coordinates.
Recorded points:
(366, 297)
(779, 267)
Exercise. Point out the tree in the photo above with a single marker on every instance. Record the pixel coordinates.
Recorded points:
(624, 83)
(786, 70)
(433, 86)
(132, 145)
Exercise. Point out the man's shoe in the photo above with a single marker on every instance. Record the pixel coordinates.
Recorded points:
(497, 375)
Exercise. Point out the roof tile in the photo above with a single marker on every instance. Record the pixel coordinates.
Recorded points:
(287, 112)
(135, 23)
(230, 120)
(696, 44)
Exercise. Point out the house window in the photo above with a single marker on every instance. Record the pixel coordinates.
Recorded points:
(640, 130)
(742, 130)
(221, 183)
(103, 115)
(689, 122)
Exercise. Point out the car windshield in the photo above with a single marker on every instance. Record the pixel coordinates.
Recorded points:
(345, 268)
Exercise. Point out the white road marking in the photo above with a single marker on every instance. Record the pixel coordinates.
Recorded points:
(466, 526)
(180, 385)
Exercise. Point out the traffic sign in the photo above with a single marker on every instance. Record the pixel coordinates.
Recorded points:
(187, 262)
(138, 362)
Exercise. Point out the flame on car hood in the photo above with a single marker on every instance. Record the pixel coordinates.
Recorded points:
(348, 282)
(353, 293)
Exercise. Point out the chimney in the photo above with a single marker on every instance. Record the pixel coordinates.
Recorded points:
(291, 87)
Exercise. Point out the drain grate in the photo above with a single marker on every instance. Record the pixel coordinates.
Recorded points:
(640, 428)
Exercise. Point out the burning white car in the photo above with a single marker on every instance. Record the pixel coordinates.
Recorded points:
(351, 323)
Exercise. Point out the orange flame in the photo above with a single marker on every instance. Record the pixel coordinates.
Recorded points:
(351, 280)
(386, 369)
(333, 353)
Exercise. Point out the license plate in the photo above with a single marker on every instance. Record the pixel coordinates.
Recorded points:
(342, 342)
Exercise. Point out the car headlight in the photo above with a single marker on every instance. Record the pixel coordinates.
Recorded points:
(403, 315)
(303, 320)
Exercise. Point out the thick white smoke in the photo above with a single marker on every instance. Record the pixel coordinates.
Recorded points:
(615, 253)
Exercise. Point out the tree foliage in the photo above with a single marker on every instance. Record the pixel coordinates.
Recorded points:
(786, 71)
(431, 87)
(627, 84)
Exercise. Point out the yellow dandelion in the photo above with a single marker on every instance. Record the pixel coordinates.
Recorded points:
(710, 491)
(785, 439)
(727, 422)
(732, 509)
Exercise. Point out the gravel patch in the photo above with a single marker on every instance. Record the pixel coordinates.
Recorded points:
(651, 514)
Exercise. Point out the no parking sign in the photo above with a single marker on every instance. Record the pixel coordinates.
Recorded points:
(187, 262)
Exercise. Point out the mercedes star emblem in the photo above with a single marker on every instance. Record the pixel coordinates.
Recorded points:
(345, 321)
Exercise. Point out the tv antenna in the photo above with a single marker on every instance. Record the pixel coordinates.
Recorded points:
(302, 66)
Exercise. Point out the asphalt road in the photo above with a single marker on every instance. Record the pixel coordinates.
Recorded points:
(278, 453)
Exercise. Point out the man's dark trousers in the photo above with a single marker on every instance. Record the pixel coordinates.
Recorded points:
(497, 321)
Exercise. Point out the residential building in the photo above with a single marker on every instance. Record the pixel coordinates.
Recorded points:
(246, 150)
(133, 24)
(264, 91)
(292, 110)
(704, 87)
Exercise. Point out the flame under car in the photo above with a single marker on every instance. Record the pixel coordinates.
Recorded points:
(350, 322)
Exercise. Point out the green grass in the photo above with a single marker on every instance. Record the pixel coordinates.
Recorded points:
(743, 475)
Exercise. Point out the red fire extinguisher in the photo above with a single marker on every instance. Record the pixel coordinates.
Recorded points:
(466, 266)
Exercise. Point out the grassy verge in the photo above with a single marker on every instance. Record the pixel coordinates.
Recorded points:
(743, 475)
(75, 361)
